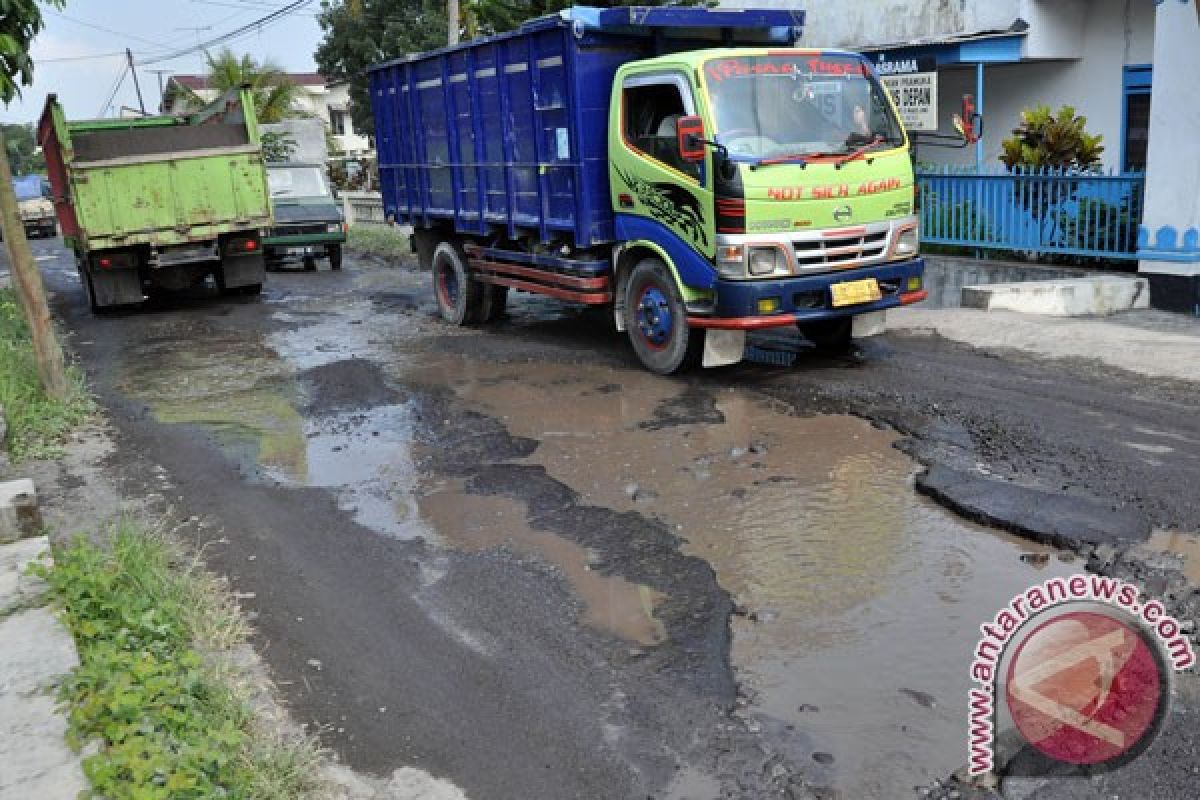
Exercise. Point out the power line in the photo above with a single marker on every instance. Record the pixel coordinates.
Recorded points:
(251, 27)
(78, 58)
(102, 29)
(116, 88)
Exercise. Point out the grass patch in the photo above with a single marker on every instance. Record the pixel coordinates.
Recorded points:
(36, 424)
(172, 723)
(384, 241)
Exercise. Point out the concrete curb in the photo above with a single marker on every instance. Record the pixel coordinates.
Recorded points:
(1070, 297)
(35, 651)
(19, 515)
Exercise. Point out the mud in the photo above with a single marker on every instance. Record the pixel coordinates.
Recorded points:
(843, 578)
(563, 576)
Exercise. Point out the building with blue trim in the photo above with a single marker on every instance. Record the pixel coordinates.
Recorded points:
(1129, 66)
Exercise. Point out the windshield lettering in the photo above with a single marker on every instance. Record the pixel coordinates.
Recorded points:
(780, 108)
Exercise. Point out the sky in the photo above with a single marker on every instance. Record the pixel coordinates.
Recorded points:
(93, 34)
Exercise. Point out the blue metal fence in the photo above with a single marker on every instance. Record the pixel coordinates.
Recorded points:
(1069, 212)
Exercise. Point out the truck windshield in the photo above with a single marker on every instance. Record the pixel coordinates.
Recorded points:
(28, 187)
(289, 182)
(781, 106)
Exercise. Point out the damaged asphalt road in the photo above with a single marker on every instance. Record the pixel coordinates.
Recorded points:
(512, 558)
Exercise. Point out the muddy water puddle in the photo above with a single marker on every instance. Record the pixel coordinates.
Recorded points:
(474, 523)
(1184, 547)
(861, 600)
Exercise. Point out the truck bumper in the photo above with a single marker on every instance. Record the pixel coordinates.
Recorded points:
(808, 299)
(301, 245)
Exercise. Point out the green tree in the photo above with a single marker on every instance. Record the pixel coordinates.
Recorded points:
(23, 155)
(1046, 139)
(20, 21)
(359, 33)
(274, 93)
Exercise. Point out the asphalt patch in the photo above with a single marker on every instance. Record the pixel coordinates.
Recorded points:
(694, 406)
(351, 385)
(1057, 519)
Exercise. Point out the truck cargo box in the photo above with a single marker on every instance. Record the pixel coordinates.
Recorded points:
(156, 181)
(508, 134)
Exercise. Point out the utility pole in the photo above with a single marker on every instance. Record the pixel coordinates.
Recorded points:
(162, 97)
(28, 282)
(136, 85)
(452, 22)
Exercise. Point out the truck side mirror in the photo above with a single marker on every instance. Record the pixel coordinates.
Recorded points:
(691, 138)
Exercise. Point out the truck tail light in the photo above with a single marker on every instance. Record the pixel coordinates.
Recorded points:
(242, 246)
(115, 261)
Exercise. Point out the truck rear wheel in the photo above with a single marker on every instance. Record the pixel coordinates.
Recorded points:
(656, 320)
(459, 298)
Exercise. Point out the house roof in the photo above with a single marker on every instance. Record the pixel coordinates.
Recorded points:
(198, 82)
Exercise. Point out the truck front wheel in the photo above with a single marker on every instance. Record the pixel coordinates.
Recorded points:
(335, 256)
(656, 320)
(459, 299)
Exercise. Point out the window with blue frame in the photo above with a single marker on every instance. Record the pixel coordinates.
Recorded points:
(1135, 117)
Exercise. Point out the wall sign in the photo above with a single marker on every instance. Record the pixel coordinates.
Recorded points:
(913, 83)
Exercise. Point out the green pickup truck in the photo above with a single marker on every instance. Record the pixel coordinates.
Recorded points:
(155, 204)
(308, 223)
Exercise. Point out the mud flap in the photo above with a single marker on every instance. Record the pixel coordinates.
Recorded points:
(871, 324)
(238, 271)
(722, 348)
(116, 287)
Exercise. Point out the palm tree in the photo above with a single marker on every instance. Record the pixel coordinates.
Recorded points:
(274, 93)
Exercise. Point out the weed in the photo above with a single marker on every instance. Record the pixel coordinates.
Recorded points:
(386, 242)
(36, 424)
(171, 723)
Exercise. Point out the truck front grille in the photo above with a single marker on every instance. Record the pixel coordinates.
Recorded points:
(298, 230)
(840, 251)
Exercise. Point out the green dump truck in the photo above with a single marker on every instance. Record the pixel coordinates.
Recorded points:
(155, 204)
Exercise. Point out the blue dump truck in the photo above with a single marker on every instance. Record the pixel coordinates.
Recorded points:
(692, 169)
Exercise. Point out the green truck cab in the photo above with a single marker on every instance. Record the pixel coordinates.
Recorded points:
(153, 204)
(807, 170)
(308, 222)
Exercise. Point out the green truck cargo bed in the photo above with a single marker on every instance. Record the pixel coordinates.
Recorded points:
(157, 181)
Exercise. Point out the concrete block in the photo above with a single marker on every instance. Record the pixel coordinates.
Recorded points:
(19, 515)
(35, 650)
(1070, 297)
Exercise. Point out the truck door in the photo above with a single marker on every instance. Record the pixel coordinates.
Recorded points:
(649, 177)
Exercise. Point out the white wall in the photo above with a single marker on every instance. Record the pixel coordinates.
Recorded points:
(337, 98)
(1114, 33)
(1173, 172)
(859, 23)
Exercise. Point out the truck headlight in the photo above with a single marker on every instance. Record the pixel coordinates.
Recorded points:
(334, 227)
(766, 261)
(730, 262)
(907, 243)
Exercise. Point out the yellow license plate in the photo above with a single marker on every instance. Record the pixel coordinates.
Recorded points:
(852, 293)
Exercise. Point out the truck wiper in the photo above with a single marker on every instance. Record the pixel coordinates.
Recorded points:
(859, 152)
(803, 158)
